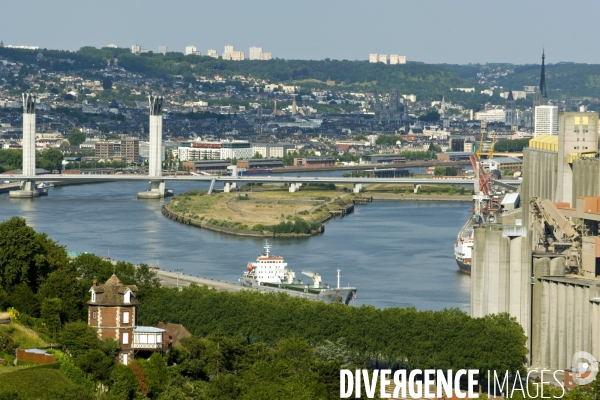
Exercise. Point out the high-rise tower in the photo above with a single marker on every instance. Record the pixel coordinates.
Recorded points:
(510, 114)
(540, 96)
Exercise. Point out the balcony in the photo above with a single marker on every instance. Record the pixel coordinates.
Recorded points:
(149, 338)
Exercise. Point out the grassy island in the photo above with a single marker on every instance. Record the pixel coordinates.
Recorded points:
(272, 210)
(262, 210)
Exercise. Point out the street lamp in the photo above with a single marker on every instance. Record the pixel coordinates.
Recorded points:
(178, 270)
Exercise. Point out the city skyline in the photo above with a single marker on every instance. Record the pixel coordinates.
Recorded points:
(458, 32)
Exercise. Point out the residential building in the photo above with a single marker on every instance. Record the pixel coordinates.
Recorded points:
(383, 58)
(255, 53)
(200, 151)
(104, 150)
(396, 59)
(191, 50)
(270, 150)
(373, 58)
(112, 312)
(130, 150)
(162, 50)
(231, 150)
(212, 53)
(546, 120)
(230, 53)
(496, 115)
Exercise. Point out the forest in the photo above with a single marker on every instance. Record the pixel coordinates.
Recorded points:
(245, 345)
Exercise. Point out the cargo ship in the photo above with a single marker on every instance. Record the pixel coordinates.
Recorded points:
(254, 171)
(270, 273)
(463, 248)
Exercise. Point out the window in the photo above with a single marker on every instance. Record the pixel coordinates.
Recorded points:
(127, 297)
(93, 296)
(125, 317)
(125, 338)
(93, 314)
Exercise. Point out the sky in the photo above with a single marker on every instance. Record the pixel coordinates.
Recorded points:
(431, 31)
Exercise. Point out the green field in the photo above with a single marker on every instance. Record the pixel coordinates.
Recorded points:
(34, 383)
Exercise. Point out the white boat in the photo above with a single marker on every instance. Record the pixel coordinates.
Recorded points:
(44, 185)
(270, 273)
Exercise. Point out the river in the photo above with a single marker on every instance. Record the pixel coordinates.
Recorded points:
(398, 254)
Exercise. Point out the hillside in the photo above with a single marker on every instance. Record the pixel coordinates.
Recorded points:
(564, 80)
(424, 79)
(35, 383)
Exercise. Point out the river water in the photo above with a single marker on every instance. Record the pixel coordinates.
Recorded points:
(396, 253)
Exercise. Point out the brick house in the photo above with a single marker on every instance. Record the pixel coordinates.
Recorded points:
(113, 312)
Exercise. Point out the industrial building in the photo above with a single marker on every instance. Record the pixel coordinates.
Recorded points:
(541, 263)
(314, 162)
(503, 164)
(209, 166)
(383, 159)
(260, 163)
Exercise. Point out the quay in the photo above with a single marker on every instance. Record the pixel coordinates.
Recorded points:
(170, 279)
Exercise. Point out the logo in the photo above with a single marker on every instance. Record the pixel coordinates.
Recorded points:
(585, 368)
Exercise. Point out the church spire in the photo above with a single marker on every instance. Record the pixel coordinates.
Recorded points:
(543, 88)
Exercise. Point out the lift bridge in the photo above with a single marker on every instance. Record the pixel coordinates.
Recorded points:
(157, 180)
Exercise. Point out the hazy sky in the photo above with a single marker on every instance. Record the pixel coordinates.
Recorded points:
(450, 31)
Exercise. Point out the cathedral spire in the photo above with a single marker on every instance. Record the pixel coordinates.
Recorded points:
(543, 88)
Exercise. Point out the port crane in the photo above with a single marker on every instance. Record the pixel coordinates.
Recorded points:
(315, 277)
(485, 204)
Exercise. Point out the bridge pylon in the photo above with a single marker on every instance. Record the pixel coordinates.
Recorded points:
(28, 189)
(157, 187)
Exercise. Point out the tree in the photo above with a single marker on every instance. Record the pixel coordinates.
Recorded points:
(103, 128)
(96, 363)
(124, 382)
(361, 138)
(435, 147)
(76, 137)
(107, 83)
(50, 315)
(257, 155)
(27, 256)
(50, 159)
(439, 171)
(78, 338)
(62, 284)
(431, 116)
(451, 171)
(23, 299)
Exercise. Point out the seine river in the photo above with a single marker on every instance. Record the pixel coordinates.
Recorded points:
(398, 254)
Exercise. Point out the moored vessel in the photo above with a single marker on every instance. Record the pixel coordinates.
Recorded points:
(45, 185)
(270, 273)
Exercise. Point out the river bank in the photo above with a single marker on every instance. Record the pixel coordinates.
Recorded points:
(418, 197)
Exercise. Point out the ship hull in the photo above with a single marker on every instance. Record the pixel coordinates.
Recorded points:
(463, 267)
(331, 295)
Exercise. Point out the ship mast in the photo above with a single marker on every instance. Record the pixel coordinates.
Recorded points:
(338, 276)
(267, 248)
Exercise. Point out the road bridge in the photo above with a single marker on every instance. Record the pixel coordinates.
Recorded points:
(230, 182)
(157, 180)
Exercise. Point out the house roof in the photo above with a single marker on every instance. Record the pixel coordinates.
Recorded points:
(175, 331)
(112, 293)
(148, 329)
